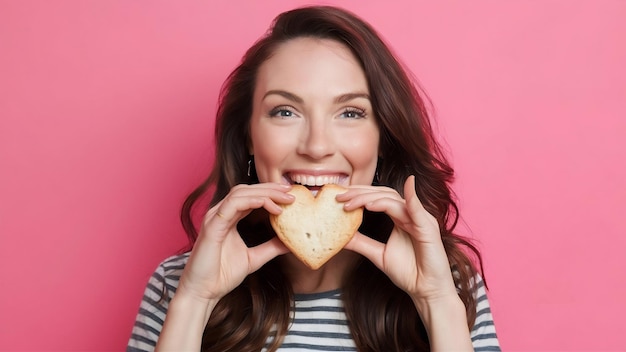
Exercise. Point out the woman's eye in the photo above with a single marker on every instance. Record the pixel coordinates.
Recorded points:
(353, 113)
(282, 112)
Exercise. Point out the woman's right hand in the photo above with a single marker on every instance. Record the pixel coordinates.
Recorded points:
(220, 260)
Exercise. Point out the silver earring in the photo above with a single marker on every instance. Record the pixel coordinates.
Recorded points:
(249, 166)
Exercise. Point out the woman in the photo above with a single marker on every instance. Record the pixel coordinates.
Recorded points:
(321, 99)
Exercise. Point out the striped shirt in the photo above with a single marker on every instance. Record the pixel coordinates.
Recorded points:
(319, 322)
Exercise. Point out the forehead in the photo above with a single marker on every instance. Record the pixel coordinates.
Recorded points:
(312, 65)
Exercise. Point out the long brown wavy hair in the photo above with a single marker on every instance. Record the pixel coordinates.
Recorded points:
(381, 316)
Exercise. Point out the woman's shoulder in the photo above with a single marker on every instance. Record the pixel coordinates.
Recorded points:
(168, 272)
(158, 293)
(174, 264)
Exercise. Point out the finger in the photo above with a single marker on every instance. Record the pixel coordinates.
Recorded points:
(419, 215)
(267, 185)
(236, 208)
(270, 203)
(354, 191)
(362, 200)
(274, 191)
(396, 209)
(263, 253)
(231, 210)
(367, 247)
(410, 194)
(238, 204)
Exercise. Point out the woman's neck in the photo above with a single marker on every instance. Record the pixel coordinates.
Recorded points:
(327, 278)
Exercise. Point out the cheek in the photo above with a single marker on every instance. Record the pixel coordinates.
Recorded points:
(269, 147)
(264, 139)
(362, 150)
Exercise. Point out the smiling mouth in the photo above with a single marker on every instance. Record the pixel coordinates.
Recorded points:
(314, 182)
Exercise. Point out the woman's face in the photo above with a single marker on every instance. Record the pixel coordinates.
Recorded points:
(312, 120)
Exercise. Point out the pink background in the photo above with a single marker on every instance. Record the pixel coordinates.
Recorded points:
(106, 115)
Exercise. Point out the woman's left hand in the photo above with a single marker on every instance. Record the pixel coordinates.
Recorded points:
(414, 257)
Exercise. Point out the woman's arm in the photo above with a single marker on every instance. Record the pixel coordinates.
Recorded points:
(446, 323)
(185, 322)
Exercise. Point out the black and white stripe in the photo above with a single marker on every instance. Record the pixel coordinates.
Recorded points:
(483, 333)
(154, 304)
(318, 323)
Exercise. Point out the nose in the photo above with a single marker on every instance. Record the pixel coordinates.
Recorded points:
(317, 141)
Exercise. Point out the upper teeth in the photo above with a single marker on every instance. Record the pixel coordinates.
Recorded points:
(309, 180)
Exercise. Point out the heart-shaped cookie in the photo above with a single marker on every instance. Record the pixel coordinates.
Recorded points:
(316, 228)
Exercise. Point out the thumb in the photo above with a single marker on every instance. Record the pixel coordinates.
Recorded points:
(367, 247)
(263, 253)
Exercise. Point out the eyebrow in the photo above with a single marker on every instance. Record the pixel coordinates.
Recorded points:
(338, 100)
